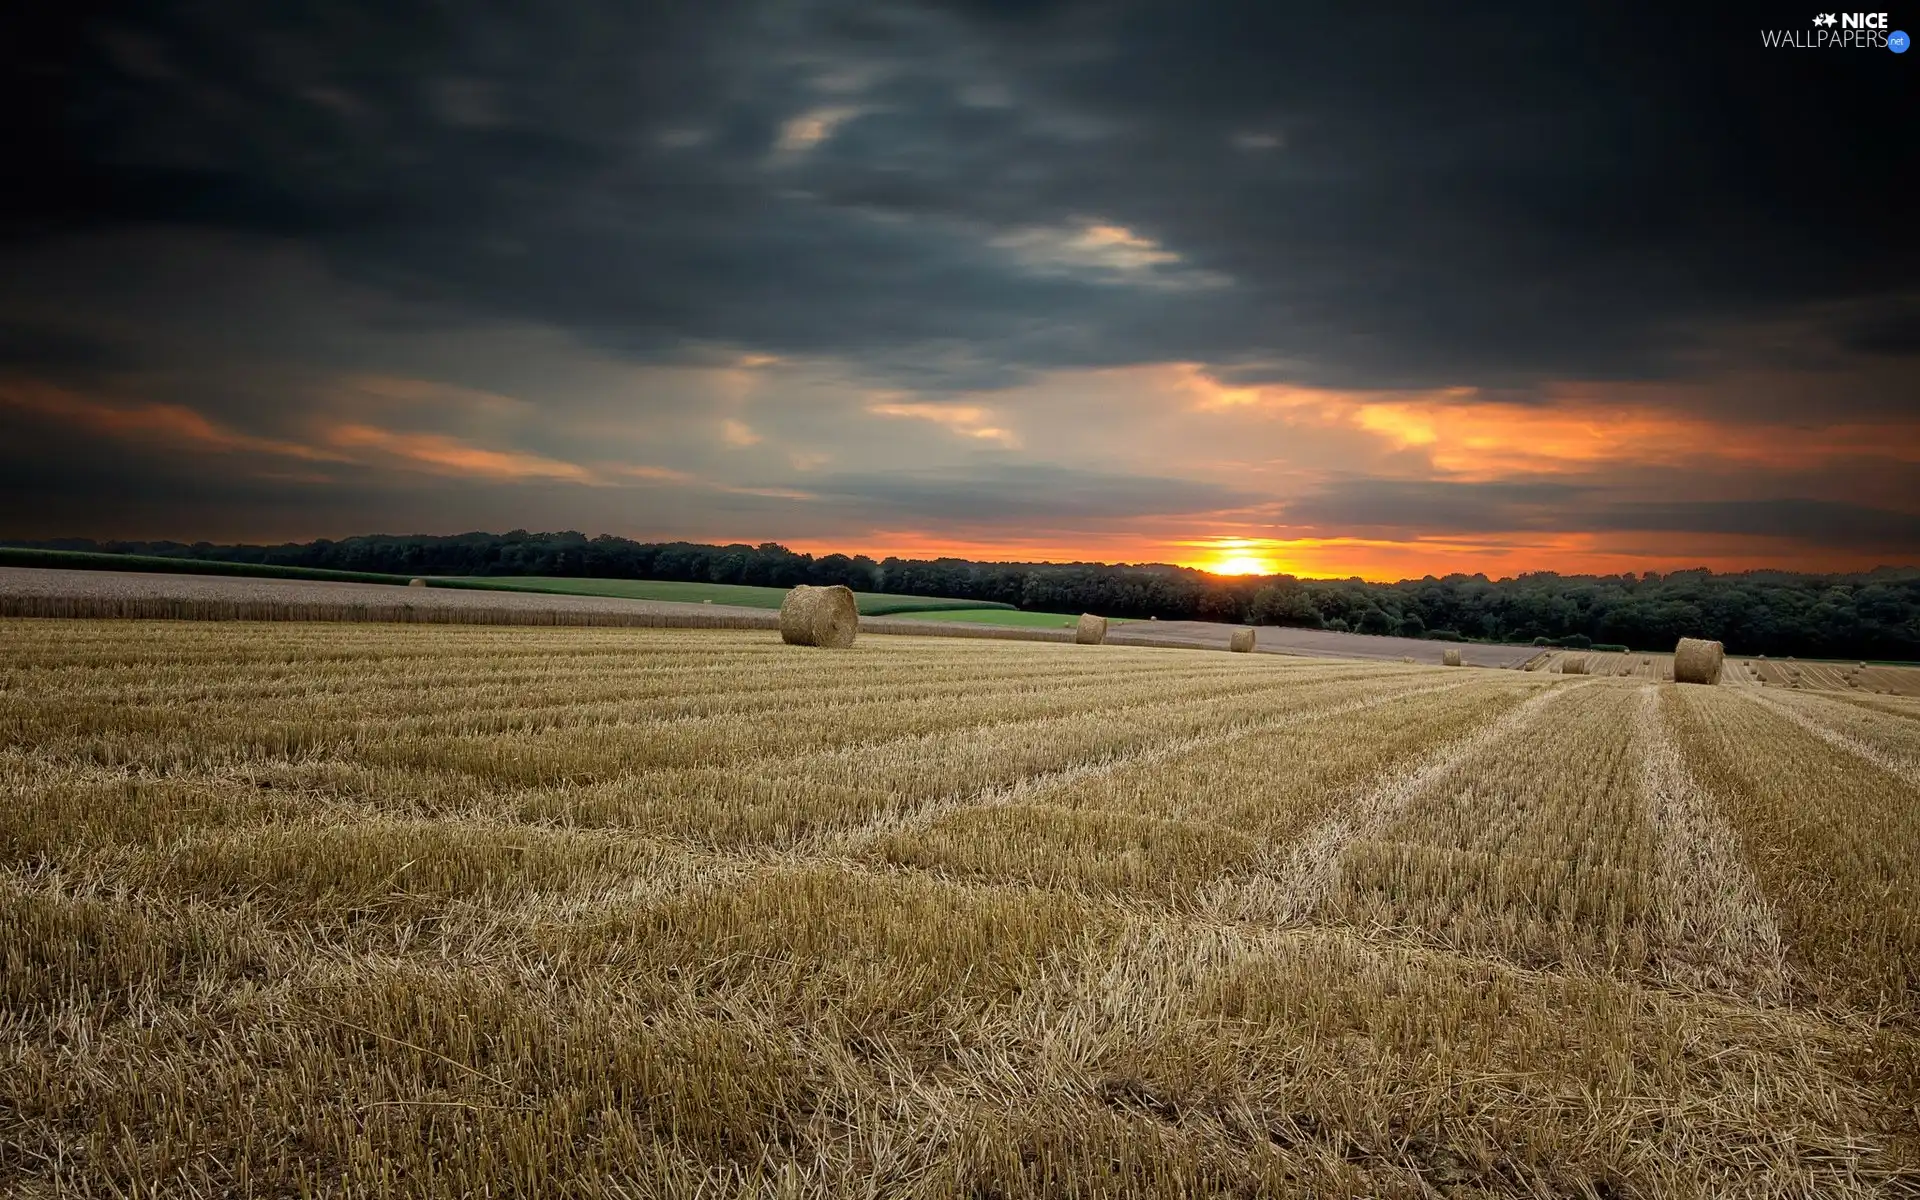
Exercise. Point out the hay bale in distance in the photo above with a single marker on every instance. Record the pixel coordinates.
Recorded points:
(819, 616)
(1575, 664)
(1091, 630)
(416, 583)
(1449, 658)
(1241, 642)
(1696, 660)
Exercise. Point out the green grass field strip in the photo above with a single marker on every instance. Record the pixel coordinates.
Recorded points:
(872, 604)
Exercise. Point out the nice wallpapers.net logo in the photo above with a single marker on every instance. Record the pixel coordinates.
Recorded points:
(1840, 31)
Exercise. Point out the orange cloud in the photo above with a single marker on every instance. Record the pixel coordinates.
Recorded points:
(173, 423)
(1576, 427)
(652, 474)
(178, 425)
(735, 432)
(1483, 441)
(448, 455)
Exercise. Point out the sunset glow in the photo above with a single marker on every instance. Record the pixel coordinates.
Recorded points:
(1241, 565)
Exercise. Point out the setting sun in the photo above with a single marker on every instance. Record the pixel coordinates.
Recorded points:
(1242, 564)
(1232, 556)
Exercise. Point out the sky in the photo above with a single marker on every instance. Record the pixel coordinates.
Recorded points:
(1383, 290)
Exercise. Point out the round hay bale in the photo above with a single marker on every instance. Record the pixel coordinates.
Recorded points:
(1153, 618)
(819, 616)
(1241, 642)
(707, 601)
(1449, 658)
(1696, 660)
(416, 583)
(1573, 664)
(1091, 630)
(1406, 658)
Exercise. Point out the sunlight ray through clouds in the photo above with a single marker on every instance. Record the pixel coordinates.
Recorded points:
(967, 420)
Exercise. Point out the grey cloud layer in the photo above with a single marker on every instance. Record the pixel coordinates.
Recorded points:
(1393, 196)
(240, 208)
(1416, 508)
(1019, 496)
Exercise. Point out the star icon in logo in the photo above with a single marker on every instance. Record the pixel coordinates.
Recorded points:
(1825, 19)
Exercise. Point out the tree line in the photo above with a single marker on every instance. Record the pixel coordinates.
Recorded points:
(1872, 615)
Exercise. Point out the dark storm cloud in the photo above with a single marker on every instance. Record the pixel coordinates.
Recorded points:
(1003, 493)
(1412, 508)
(1392, 196)
(60, 352)
(1819, 522)
(1891, 328)
(1438, 506)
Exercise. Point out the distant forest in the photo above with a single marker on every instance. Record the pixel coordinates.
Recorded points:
(1867, 616)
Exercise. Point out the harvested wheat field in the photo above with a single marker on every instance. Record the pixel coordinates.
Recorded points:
(349, 909)
(1606, 662)
(1859, 679)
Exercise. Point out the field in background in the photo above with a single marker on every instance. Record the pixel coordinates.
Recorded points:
(86, 560)
(430, 910)
(1010, 617)
(1320, 643)
(1859, 678)
(872, 604)
(1630, 665)
(1865, 679)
